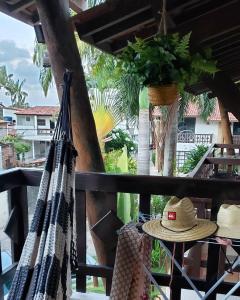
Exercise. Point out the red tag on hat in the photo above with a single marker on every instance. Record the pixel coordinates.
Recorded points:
(172, 215)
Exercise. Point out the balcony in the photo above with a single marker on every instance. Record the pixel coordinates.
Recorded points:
(48, 132)
(207, 195)
(188, 136)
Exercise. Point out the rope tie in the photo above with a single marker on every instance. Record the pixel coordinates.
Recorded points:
(162, 29)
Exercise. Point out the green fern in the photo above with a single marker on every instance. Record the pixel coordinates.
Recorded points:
(183, 46)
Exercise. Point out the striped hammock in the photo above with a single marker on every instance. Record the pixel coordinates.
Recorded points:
(44, 269)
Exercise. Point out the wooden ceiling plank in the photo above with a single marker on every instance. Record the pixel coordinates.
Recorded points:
(230, 51)
(121, 28)
(145, 33)
(226, 42)
(6, 9)
(121, 13)
(203, 8)
(204, 28)
(21, 5)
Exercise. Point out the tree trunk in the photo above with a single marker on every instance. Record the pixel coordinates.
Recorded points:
(171, 142)
(64, 54)
(226, 128)
(143, 161)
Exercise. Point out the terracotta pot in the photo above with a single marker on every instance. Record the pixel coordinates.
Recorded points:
(163, 94)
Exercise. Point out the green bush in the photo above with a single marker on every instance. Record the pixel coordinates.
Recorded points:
(193, 158)
(119, 139)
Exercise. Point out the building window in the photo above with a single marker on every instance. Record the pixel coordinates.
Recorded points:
(236, 128)
(28, 119)
(41, 122)
(187, 124)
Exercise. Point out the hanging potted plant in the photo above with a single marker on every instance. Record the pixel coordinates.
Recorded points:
(165, 65)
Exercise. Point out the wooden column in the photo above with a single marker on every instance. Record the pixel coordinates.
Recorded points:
(226, 90)
(226, 127)
(64, 54)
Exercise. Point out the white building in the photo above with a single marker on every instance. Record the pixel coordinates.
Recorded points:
(36, 126)
(194, 130)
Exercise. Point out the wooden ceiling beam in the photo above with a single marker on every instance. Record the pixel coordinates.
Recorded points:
(21, 5)
(110, 15)
(232, 52)
(226, 90)
(229, 42)
(6, 9)
(200, 9)
(204, 27)
(121, 28)
(145, 33)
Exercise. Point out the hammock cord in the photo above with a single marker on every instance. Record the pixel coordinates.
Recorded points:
(49, 255)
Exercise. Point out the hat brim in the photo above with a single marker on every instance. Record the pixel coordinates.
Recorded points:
(228, 232)
(203, 229)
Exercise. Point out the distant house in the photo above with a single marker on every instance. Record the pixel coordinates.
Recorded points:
(7, 120)
(7, 156)
(36, 126)
(193, 130)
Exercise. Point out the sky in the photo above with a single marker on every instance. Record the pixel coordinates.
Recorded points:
(16, 50)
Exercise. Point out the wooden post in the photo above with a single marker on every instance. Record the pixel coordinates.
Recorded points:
(64, 54)
(18, 199)
(226, 127)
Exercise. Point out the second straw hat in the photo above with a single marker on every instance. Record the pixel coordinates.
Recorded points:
(228, 221)
(179, 223)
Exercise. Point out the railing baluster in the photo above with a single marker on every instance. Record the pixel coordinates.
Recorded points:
(18, 199)
(145, 203)
(81, 238)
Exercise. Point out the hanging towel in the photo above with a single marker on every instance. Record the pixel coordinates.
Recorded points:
(129, 279)
(44, 270)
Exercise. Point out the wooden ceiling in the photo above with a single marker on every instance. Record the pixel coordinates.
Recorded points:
(26, 11)
(214, 23)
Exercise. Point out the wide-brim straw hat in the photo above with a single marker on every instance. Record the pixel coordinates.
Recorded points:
(228, 221)
(179, 223)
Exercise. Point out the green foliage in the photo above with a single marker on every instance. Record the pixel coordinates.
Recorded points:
(111, 162)
(18, 144)
(119, 139)
(165, 60)
(13, 89)
(158, 255)
(158, 203)
(193, 158)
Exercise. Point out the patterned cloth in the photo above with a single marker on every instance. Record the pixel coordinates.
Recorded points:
(44, 270)
(129, 279)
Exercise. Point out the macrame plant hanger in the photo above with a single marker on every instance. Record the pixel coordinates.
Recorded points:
(44, 269)
(162, 28)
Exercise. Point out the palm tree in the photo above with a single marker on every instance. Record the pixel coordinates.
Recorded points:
(143, 161)
(12, 88)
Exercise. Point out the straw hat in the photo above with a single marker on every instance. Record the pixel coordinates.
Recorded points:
(228, 221)
(179, 223)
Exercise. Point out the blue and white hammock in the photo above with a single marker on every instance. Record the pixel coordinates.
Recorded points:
(44, 269)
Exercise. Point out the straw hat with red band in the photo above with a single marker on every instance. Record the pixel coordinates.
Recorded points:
(228, 221)
(179, 223)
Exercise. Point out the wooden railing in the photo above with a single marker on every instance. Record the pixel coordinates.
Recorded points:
(188, 137)
(217, 191)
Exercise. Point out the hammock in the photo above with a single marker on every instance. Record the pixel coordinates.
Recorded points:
(44, 269)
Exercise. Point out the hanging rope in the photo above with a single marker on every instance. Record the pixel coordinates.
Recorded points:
(162, 29)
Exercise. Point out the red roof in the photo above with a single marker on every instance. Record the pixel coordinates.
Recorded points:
(193, 111)
(39, 111)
